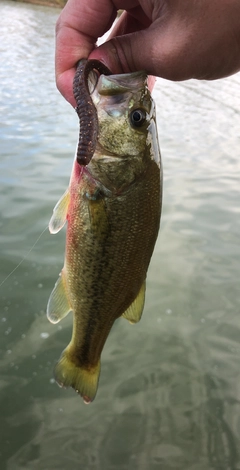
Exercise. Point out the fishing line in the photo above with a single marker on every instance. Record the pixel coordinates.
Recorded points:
(23, 259)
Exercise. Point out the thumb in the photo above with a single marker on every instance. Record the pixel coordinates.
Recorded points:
(128, 53)
(133, 46)
(152, 49)
(124, 50)
(174, 49)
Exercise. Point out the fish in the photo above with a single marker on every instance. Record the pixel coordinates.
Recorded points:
(112, 208)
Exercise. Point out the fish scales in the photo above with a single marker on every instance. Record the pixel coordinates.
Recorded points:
(112, 210)
(117, 247)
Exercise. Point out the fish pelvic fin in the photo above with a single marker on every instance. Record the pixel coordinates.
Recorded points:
(134, 312)
(84, 381)
(58, 305)
(59, 216)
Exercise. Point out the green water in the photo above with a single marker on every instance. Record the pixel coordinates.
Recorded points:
(169, 392)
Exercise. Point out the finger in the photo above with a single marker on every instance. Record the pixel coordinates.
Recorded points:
(128, 53)
(77, 30)
(129, 22)
(79, 26)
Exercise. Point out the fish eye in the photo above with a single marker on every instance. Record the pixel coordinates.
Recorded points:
(137, 117)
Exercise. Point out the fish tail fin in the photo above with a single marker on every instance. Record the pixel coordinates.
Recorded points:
(68, 373)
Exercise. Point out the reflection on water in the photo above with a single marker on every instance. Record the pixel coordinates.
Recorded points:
(169, 395)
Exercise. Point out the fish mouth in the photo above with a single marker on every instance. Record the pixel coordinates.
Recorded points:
(121, 83)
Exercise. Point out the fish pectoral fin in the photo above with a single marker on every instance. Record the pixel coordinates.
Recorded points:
(59, 216)
(134, 312)
(68, 373)
(58, 305)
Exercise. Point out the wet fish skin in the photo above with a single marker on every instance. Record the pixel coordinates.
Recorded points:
(112, 207)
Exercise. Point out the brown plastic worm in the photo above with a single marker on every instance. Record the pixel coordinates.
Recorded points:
(86, 110)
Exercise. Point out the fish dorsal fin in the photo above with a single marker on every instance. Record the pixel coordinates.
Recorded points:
(58, 305)
(59, 216)
(134, 312)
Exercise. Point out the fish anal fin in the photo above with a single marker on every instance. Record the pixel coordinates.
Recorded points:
(58, 305)
(59, 216)
(134, 312)
(84, 381)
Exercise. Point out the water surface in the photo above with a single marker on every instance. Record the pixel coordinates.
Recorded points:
(169, 393)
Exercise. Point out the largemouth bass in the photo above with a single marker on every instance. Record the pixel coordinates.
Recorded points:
(112, 207)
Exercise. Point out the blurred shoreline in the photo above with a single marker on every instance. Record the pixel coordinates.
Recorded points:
(48, 3)
(51, 3)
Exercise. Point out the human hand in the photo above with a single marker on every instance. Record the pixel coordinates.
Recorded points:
(173, 39)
